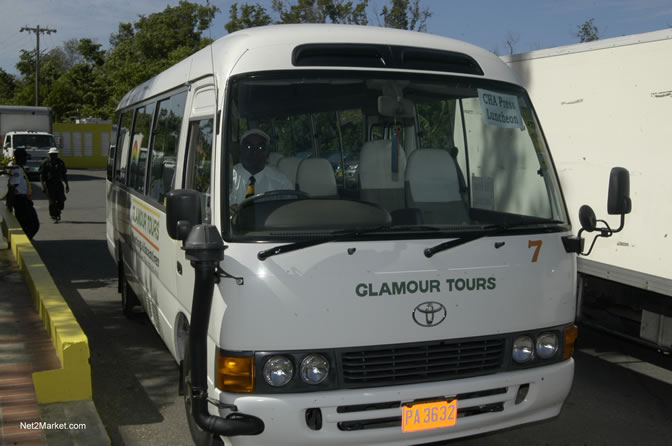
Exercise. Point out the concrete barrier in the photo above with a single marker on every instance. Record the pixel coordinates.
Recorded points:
(73, 380)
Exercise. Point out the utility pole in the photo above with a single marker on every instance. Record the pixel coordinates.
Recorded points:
(37, 30)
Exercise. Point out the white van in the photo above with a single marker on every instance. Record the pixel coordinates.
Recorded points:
(400, 271)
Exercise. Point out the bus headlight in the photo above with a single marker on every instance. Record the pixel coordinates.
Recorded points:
(314, 369)
(278, 371)
(547, 345)
(523, 349)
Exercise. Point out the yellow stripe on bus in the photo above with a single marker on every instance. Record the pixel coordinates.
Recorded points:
(147, 208)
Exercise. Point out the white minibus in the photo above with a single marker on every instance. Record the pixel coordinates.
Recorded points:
(347, 236)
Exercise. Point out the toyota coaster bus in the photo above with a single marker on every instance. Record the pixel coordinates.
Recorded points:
(403, 271)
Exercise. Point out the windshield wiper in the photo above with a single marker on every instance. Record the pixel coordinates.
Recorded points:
(486, 231)
(289, 247)
(339, 235)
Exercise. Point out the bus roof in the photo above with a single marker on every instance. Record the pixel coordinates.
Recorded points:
(270, 48)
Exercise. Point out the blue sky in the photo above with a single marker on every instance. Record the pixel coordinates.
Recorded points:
(529, 24)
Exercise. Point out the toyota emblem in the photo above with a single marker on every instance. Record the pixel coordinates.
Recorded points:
(429, 314)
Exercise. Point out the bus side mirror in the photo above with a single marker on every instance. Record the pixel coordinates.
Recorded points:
(183, 211)
(619, 202)
(587, 218)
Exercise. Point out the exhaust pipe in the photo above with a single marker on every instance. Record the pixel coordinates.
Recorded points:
(205, 249)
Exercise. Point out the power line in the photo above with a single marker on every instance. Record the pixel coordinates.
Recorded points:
(37, 30)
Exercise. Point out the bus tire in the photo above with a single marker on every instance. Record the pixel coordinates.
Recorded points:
(198, 435)
(128, 297)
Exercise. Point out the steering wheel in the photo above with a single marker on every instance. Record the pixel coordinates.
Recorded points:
(271, 195)
(274, 195)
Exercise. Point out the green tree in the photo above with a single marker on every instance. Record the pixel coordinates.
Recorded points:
(322, 11)
(70, 53)
(7, 87)
(124, 33)
(587, 32)
(153, 43)
(406, 14)
(90, 52)
(250, 16)
(403, 14)
(52, 66)
(81, 92)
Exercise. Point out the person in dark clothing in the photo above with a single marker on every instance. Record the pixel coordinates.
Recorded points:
(53, 175)
(20, 196)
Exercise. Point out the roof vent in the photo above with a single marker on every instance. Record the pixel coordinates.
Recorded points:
(383, 56)
(339, 55)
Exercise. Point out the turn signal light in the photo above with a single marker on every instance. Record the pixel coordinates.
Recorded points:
(571, 333)
(235, 373)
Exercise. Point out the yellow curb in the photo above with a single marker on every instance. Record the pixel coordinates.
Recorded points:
(72, 381)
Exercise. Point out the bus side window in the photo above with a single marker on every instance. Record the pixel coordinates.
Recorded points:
(123, 146)
(110, 162)
(112, 151)
(140, 149)
(199, 161)
(166, 136)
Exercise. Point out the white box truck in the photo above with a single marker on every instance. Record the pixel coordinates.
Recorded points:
(29, 128)
(605, 103)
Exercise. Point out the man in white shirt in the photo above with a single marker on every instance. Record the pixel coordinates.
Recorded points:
(20, 196)
(252, 176)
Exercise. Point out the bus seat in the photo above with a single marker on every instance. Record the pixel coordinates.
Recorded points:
(379, 184)
(315, 176)
(433, 186)
(274, 158)
(289, 165)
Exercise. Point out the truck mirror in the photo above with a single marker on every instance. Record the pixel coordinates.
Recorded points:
(619, 202)
(183, 211)
(587, 218)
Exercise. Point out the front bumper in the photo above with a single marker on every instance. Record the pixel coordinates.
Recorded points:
(485, 404)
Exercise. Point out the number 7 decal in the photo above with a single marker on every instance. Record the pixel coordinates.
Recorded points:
(536, 244)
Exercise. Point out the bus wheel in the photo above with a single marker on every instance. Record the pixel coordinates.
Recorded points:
(128, 297)
(198, 435)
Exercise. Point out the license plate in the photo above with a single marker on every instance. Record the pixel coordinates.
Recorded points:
(432, 415)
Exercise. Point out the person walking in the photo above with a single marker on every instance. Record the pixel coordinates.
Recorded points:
(20, 196)
(53, 174)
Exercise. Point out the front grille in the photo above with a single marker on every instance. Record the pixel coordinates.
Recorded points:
(426, 362)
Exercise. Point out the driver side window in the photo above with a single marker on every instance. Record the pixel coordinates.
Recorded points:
(199, 162)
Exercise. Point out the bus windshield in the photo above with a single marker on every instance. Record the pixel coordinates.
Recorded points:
(310, 153)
